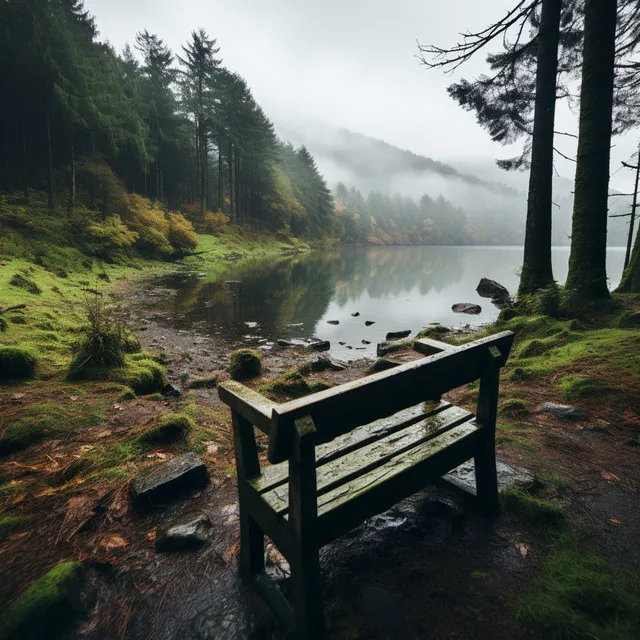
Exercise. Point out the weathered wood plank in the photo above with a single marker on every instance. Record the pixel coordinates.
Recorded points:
(303, 514)
(251, 405)
(347, 507)
(277, 474)
(363, 461)
(428, 347)
(340, 409)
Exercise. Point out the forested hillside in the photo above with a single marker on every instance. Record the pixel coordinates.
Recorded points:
(136, 151)
(88, 126)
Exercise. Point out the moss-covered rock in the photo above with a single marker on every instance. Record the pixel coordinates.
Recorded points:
(17, 363)
(170, 428)
(143, 376)
(9, 524)
(127, 394)
(292, 385)
(245, 364)
(48, 606)
(513, 407)
(382, 364)
(538, 513)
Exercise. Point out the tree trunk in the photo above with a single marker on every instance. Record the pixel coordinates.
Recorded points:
(632, 220)
(233, 211)
(587, 278)
(536, 269)
(203, 165)
(25, 162)
(630, 282)
(51, 202)
(238, 180)
(72, 169)
(220, 173)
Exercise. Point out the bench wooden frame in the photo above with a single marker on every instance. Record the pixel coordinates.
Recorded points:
(345, 454)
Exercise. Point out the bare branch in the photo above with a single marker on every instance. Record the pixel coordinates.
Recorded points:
(563, 155)
(451, 59)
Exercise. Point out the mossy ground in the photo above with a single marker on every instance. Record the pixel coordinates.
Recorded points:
(71, 477)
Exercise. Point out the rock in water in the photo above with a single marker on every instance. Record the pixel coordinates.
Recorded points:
(168, 480)
(368, 323)
(333, 321)
(190, 531)
(398, 335)
(491, 289)
(284, 343)
(355, 314)
(563, 411)
(321, 345)
(466, 307)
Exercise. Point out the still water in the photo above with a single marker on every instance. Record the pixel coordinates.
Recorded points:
(256, 302)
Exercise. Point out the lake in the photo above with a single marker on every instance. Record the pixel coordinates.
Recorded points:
(256, 302)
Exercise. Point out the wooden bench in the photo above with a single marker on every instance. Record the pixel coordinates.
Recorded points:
(345, 454)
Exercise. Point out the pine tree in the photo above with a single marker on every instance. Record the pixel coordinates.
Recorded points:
(587, 275)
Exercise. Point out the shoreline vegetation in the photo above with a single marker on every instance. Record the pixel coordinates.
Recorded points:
(58, 421)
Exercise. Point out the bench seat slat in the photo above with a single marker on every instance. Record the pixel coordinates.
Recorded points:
(276, 474)
(375, 453)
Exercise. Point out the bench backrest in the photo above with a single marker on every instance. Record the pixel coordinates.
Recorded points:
(340, 409)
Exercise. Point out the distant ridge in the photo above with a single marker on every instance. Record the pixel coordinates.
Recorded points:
(375, 161)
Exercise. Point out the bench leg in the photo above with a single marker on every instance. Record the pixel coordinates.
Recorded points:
(251, 545)
(487, 479)
(308, 603)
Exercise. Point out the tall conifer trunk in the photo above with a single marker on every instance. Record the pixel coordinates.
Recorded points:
(25, 159)
(72, 171)
(536, 269)
(51, 202)
(233, 211)
(587, 276)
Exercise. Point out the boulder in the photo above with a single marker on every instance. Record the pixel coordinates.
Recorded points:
(467, 307)
(325, 363)
(320, 345)
(563, 411)
(389, 347)
(49, 606)
(491, 289)
(382, 364)
(190, 531)
(284, 343)
(169, 391)
(398, 335)
(168, 480)
(465, 476)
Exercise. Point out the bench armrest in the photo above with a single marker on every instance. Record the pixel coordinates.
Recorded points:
(428, 347)
(251, 405)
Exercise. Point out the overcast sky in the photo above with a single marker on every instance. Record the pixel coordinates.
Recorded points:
(349, 62)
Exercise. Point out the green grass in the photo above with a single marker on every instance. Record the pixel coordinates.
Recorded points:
(579, 595)
(17, 363)
(170, 428)
(41, 421)
(579, 387)
(513, 407)
(540, 514)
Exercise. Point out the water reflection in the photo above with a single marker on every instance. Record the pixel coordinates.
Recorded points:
(257, 301)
